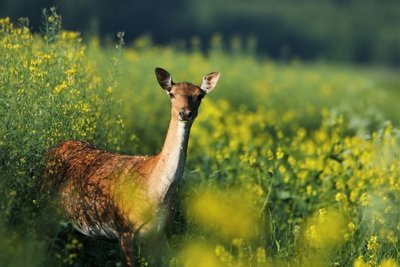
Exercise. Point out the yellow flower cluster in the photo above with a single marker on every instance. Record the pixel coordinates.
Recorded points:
(50, 90)
(354, 178)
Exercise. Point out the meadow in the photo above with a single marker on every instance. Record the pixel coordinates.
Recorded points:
(289, 164)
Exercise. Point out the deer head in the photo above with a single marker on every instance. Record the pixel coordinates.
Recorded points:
(185, 97)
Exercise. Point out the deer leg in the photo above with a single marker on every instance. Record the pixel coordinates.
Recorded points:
(127, 245)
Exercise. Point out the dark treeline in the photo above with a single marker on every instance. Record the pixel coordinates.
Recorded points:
(358, 31)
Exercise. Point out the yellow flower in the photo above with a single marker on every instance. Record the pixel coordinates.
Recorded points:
(340, 197)
(359, 262)
(279, 153)
(388, 263)
(71, 72)
(351, 226)
(310, 191)
(364, 199)
(60, 88)
(372, 243)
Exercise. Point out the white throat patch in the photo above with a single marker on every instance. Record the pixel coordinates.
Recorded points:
(173, 162)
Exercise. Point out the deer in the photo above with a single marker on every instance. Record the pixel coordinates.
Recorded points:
(124, 197)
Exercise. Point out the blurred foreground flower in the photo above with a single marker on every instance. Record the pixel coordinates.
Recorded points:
(325, 229)
(230, 213)
(388, 263)
(199, 255)
(359, 262)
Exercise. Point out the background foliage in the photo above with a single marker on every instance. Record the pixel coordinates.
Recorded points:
(361, 31)
(288, 165)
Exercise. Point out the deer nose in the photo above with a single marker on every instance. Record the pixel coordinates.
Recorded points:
(185, 115)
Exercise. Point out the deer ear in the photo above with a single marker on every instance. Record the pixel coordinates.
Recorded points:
(164, 79)
(210, 81)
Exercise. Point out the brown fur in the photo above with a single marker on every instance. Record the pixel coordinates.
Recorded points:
(86, 177)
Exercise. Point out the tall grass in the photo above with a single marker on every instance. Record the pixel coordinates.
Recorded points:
(288, 165)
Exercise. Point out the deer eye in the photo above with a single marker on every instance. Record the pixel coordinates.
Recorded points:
(171, 95)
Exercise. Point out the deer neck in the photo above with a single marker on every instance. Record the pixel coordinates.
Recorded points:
(171, 160)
